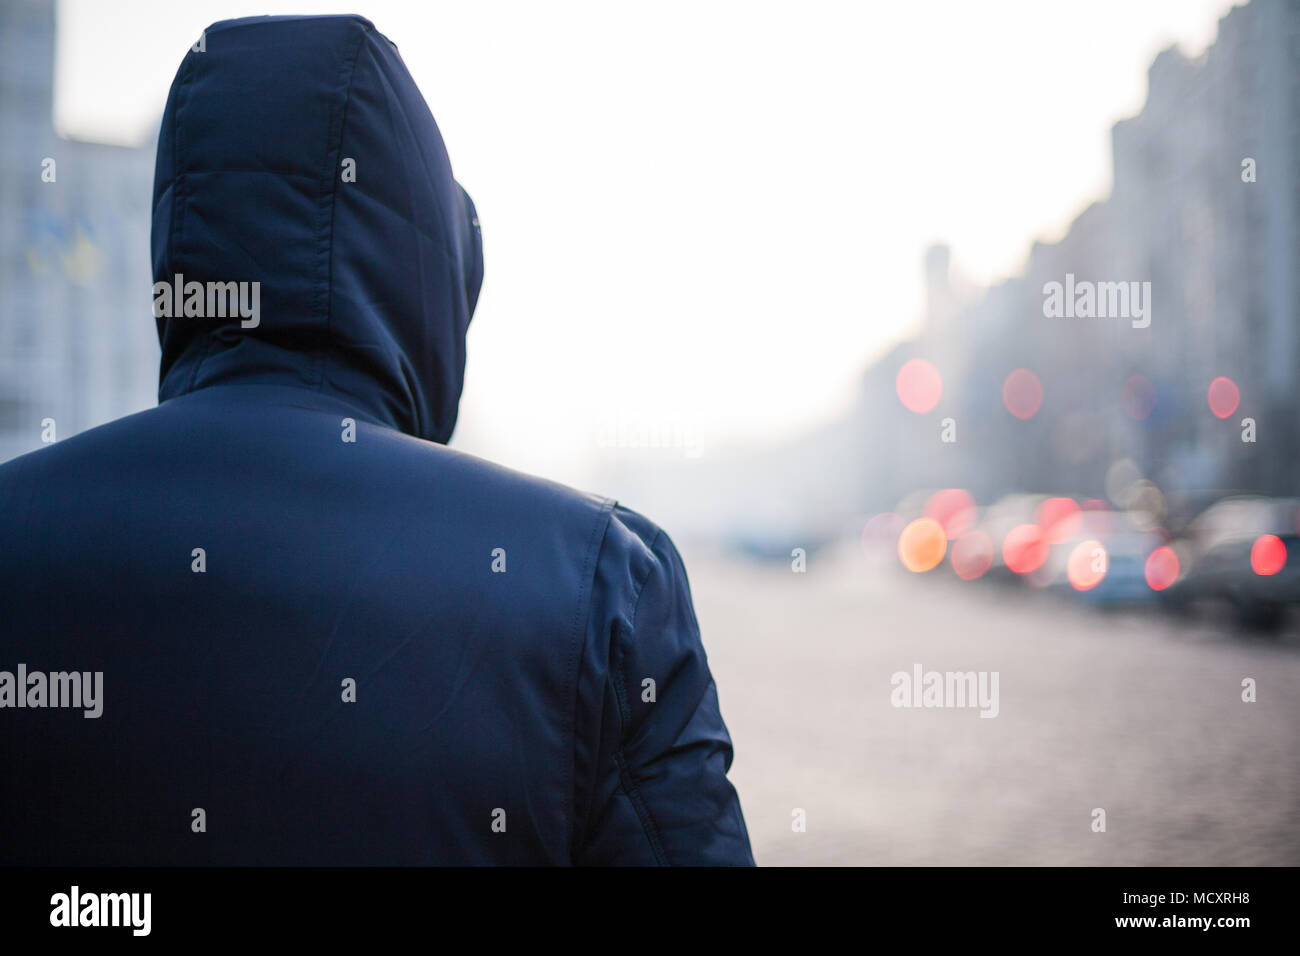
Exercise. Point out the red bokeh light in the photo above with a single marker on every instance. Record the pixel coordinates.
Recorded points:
(954, 508)
(1267, 554)
(1161, 568)
(972, 555)
(1139, 397)
(919, 386)
(1022, 393)
(1059, 518)
(1025, 548)
(1223, 396)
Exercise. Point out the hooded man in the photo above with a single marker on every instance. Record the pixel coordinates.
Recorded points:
(322, 636)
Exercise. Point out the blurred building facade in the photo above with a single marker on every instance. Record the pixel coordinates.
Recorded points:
(77, 341)
(1222, 256)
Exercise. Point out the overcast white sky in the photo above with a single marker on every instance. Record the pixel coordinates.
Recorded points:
(703, 214)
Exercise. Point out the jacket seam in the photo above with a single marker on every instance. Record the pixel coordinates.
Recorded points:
(331, 175)
(630, 787)
(573, 666)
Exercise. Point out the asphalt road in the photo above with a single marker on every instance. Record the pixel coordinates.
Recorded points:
(1129, 712)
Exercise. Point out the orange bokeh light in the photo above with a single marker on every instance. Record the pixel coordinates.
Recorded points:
(1087, 565)
(919, 386)
(922, 545)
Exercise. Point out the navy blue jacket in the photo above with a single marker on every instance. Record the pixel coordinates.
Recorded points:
(324, 637)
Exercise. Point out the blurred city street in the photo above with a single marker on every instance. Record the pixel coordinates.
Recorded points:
(761, 298)
(1137, 713)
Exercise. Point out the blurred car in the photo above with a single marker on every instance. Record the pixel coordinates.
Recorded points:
(999, 519)
(1128, 541)
(1243, 551)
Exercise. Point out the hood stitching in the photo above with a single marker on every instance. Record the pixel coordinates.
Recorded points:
(326, 235)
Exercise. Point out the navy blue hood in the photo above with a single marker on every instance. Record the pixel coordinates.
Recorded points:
(367, 286)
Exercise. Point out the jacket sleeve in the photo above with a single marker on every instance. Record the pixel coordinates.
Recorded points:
(653, 751)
